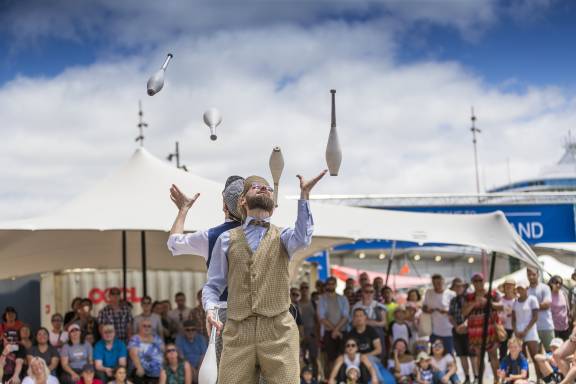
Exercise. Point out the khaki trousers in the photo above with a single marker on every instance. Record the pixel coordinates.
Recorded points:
(272, 343)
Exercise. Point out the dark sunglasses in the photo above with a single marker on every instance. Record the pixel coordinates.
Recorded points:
(170, 350)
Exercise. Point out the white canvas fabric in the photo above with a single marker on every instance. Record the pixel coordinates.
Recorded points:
(86, 232)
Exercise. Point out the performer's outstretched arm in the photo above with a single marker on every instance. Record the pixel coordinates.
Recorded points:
(183, 203)
(301, 235)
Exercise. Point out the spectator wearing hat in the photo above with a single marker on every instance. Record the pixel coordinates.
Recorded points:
(424, 372)
(507, 301)
(475, 310)
(524, 320)
(543, 294)
(117, 313)
(559, 308)
(75, 354)
(87, 376)
(145, 350)
(460, 327)
(192, 344)
(109, 353)
(548, 365)
(307, 376)
(437, 302)
(12, 359)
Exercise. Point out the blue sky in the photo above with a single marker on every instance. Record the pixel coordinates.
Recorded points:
(407, 73)
(536, 48)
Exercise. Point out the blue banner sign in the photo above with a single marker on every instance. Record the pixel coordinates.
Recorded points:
(321, 259)
(535, 223)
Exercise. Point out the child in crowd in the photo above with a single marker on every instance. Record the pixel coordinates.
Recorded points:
(444, 364)
(514, 367)
(353, 375)
(399, 327)
(424, 372)
(547, 363)
(306, 376)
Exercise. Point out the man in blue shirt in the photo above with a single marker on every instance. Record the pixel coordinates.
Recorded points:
(109, 353)
(191, 343)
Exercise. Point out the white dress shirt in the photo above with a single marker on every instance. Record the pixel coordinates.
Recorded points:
(293, 239)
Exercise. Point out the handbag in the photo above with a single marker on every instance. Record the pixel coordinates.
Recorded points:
(425, 324)
(501, 333)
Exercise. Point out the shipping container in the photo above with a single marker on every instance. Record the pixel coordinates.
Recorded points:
(59, 288)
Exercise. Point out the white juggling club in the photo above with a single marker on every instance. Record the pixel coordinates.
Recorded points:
(208, 373)
(212, 118)
(333, 151)
(276, 168)
(156, 81)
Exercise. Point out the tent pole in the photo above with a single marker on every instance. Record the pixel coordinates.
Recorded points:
(124, 266)
(487, 314)
(390, 262)
(144, 270)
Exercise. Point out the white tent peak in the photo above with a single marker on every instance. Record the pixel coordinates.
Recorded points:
(87, 231)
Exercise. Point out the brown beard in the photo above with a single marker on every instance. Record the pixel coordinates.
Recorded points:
(260, 202)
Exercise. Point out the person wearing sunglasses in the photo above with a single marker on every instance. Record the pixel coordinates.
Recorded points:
(253, 262)
(176, 370)
(109, 353)
(352, 358)
(192, 344)
(559, 308)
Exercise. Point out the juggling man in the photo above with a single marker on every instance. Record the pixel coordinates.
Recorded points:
(252, 260)
(202, 242)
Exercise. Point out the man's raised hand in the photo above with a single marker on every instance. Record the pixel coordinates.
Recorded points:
(306, 186)
(181, 201)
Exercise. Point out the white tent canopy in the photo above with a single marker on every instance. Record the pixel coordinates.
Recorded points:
(86, 232)
(550, 266)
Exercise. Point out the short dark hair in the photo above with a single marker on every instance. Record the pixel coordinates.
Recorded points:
(437, 276)
(331, 278)
(359, 310)
(418, 295)
(179, 294)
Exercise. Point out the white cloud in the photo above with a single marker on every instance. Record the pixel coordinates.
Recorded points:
(403, 128)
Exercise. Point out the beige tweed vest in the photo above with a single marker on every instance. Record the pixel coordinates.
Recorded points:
(258, 282)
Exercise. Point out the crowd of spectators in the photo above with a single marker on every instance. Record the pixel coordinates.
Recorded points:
(370, 334)
(159, 345)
